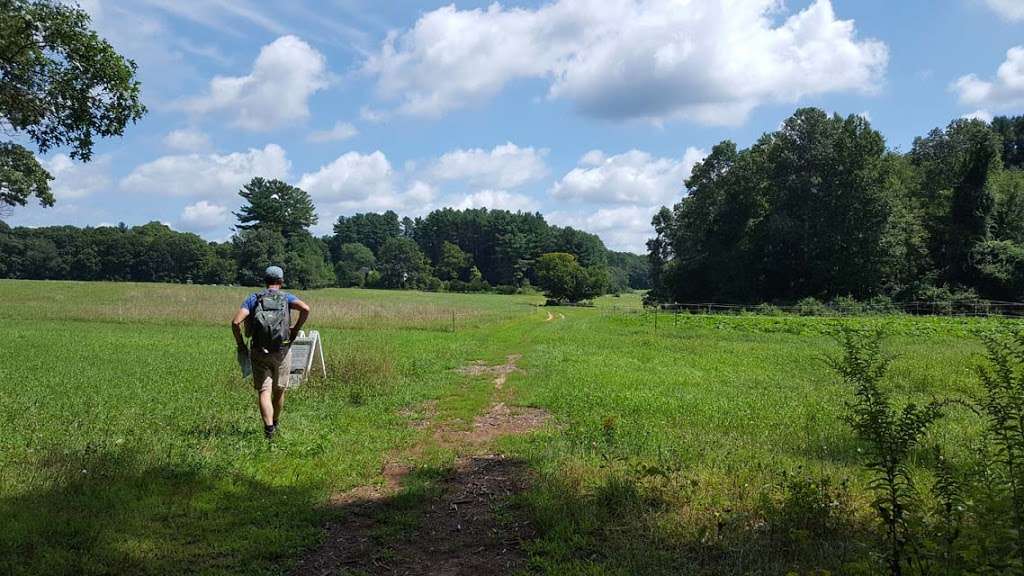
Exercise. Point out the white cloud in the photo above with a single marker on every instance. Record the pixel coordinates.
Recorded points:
(373, 115)
(983, 115)
(351, 177)
(506, 166)
(207, 175)
(187, 140)
(1012, 10)
(1004, 92)
(356, 182)
(285, 74)
(340, 131)
(421, 194)
(711, 61)
(496, 200)
(622, 228)
(204, 216)
(632, 178)
(75, 180)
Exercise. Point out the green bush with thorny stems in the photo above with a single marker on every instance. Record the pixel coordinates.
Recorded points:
(977, 526)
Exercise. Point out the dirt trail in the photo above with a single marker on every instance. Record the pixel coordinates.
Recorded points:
(458, 533)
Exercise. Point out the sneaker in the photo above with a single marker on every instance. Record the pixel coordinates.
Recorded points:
(268, 431)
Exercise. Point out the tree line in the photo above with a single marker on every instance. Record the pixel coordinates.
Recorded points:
(448, 249)
(822, 208)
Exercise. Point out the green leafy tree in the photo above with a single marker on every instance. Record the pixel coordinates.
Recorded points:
(1011, 132)
(353, 262)
(959, 169)
(1008, 217)
(1000, 269)
(60, 85)
(402, 264)
(454, 263)
(369, 229)
(305, 262)
(562, 278)
(255, 250)
(275, 205)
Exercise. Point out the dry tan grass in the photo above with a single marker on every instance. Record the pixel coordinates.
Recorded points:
(213, 305)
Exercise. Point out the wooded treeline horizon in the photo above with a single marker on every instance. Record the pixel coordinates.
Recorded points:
(468, 250)
(820, 208)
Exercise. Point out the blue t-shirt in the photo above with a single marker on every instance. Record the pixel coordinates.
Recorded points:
(250, 302)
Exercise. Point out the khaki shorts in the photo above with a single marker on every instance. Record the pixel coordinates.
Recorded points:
(271, 369)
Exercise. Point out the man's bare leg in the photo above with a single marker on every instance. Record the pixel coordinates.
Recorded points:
(267, 407)
(278, 400)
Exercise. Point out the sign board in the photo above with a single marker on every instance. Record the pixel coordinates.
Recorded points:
(307, 353)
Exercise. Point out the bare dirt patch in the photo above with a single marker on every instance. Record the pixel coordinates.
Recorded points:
(500, 372)
(458, 532)
(499, 420)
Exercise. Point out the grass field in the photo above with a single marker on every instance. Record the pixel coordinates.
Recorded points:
(131, 446)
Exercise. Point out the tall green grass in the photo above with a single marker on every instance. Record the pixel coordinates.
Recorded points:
(709, 445)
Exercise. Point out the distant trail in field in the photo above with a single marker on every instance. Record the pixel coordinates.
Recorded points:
(458, 533)
(551, 316)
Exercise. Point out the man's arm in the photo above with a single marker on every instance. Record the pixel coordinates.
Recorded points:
(236, 326)
(303, 309)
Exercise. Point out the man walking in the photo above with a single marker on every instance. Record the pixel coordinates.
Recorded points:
(267, 318)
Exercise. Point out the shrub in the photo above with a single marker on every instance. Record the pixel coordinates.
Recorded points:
(881, 305)
(889, 433)
(1003, 407)
(846, 306)
(811, 306)
(944, 300)
(564, 279)
(433, 284)
(768, 310)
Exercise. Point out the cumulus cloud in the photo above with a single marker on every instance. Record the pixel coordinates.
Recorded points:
(1012, 10)
(421, 194)
(75, 180)
(983, 115)
(711, 61)
(632, 178)
(203, 216)
(277, 90)
(187, 140)
(622, 228)
(351, 177)
(503, 167)
(207, 175)
(496, 200)
(1003, 92)
(340, 131)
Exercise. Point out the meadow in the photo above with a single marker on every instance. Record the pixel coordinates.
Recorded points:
(702, 445)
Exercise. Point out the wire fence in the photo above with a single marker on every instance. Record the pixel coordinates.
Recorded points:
(959, 308)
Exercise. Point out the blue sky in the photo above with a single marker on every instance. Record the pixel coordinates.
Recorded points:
(589, 111)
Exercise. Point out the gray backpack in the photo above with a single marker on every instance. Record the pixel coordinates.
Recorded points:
(270, 323)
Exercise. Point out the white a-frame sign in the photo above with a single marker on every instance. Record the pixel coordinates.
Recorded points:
(306, 353)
